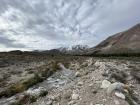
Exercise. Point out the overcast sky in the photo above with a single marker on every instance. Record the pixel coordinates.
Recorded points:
(47, 24)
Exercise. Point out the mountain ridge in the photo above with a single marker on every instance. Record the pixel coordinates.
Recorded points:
(124, 42)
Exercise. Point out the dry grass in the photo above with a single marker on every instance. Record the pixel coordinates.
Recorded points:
(40, 74)
(21, 86)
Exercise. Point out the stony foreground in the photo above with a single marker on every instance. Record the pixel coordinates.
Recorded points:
(90, 81)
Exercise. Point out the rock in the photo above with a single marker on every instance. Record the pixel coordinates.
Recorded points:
(75, 96)
(35, 92)
(116, 102)
(67, 94)
(49, 102)
(120, 95)
(20, 97)
(104, 74)
(91, 103)
(94, 91)
(43, 103)
(104, 100)
(77, 74)
(91, 69)
(91, 85)
(105, 84)
(11, 100)
(80, 83)
(71, 102)
(115, 86)
(97, 63)
(53, 97)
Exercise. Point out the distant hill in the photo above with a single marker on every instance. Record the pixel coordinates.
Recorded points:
(123, 42)
(52, 52)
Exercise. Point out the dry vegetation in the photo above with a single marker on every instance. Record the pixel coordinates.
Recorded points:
(27, 70)
(19, 72)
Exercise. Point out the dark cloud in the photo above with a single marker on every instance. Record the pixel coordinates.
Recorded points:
(10, 43)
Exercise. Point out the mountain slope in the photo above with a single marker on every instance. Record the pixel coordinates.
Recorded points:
(76, 50)
(123, 42)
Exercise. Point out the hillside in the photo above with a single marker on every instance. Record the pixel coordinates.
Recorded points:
(123, 42)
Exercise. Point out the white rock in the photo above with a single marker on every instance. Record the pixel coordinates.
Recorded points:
(120, 95)
(105, 84)
(97, 63)
(90, 85)
(42, 103)
(71, 102)
(77, 74)
(10, 100)
(52, 98)
(35, 92)
(80, 83)
(49, 102)
(75, 96)
(115, 86)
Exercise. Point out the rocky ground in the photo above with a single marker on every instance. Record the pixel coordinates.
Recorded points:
(73, 81)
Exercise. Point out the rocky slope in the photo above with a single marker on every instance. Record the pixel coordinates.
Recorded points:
(123, 42)
(93, 82)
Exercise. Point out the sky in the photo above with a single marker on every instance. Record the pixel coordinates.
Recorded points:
(49, 24)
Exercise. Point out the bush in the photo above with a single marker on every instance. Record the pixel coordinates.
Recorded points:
(44, 93)
(32, 81)
(25, 99)
(55, 66)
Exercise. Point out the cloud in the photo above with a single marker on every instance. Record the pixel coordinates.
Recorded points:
(10, 43)
(46, 24)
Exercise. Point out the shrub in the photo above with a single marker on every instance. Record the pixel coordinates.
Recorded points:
(25, 99)
(44, 93)
(30, 72)
(55, 66)
(32, 81)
